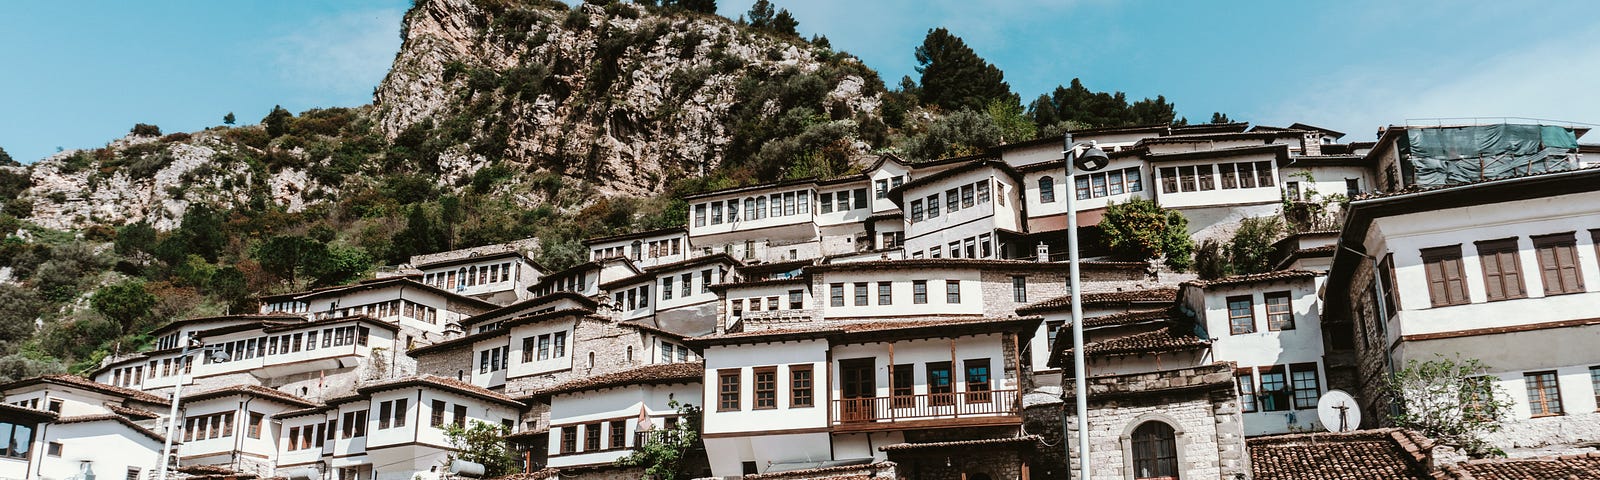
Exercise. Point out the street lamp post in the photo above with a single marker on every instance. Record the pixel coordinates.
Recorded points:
(1092, 159)
(177, 392)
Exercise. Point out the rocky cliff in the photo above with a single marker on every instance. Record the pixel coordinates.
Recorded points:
(620, 99)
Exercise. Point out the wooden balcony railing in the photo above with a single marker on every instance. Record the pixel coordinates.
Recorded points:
(989, 403)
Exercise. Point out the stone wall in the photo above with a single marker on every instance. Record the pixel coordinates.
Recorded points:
(608, 342)
(1573, 433)
(1199, 403)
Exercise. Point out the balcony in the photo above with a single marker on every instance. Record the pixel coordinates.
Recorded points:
(935, 410)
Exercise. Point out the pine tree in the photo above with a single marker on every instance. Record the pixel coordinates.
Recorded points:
(5, 159)
(277, 121)
(785, 23)
(954, 77)
(702, 6)
(761, 14)
(228, 119)
(1219, 117)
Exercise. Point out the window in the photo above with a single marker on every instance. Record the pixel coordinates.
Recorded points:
(688, 284)
(1280, 313)
(766, 392)
(1247, 175)
(560, 345)
(569, 439)
(940, 389)
(1245, 379)
(1594, 382)
(619, 432)
(977, 380)
(983, 191)
(53, 449)
(1447, 283)
(836, 294)
(700, 215)
(919, 291)
(1502, 270)
(800, 390)
(966, 196)
(1306, 388)
(825, 202)
(789, 206)
(1544, 396)
(666, 352)
(861, 294)
(750, 213)
(1080, 187)
(1274, 395)
(728, 390)
(460, 416)
(985, 250)
(1292, 190)
(860, 198)
(591, 437)
(385, 412)
(952, 200)
(133, 473)
(761, 207)
(796, 299)
(1131, 175)
(666, 288)
(1207, 181)
(544, 347)
(902, 386)
(1019, 289)
(916, 211)
(883, 188)
(1186, 178)
(1241, 315)
(1155, 451)
(885, 294)
(733, 212)
(705, 281)
(1558, 263)
(1169, 180)
(1264, 174)
(436, 418)
(1047, 189)
(254, 429)
(952, 291)
(933, 206)
(844, 201)
(1352, 188)
(1114, 180)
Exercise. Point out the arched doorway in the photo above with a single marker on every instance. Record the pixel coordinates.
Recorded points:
(1155, 451)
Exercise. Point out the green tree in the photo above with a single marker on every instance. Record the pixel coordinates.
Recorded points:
(124, 302)
(145, 130)
(954, 77)
(5, 159)
(665, 453)
(785, 23)
(201, 233)
(1013, 123)
(761, 14)
(1250, 250)
(340, 264)
(228, 119)
(1451, 400)
(289, 256)
(23, 307)
(961, 133)
(277, 121)
(1210, 261)
(18, 366)
(1141, 230)
(484, 444)
(708, 7)
(421, 235)
(229, 284)
(1219, 117)
(1075, 105)
(135, 241)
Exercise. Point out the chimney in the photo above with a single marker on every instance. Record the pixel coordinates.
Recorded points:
(1312, 144)
(1043, 252)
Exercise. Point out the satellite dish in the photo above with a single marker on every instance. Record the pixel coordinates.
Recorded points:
(1338, 411)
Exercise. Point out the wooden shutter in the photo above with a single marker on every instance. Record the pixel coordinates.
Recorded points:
(1446, 280)
(1502, 272)
(1558, 263)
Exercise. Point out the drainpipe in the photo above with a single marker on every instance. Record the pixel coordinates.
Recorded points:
(239, 433)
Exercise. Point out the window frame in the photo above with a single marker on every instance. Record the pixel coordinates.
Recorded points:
(1297, 391)
(1244, 380)
(1502, 255)
(1557, 244)
(758, 389)
(1541, 407)
(802, 391)
(728, 389)
(1438, 260)
(1288, 303)
(1233, 319)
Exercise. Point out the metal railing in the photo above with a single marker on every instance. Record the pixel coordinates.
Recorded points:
(926, 406)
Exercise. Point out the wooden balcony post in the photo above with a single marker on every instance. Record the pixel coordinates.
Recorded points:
(955, 398)
(891, 380)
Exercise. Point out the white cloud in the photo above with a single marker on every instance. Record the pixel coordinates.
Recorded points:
(1544, 80)
(344, 54)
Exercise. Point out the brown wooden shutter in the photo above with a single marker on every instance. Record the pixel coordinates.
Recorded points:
(1558, 263)
(1447, 283)
(1436, 287)
(1502, 275)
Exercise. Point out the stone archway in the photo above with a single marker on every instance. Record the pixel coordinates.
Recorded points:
(1180, 442)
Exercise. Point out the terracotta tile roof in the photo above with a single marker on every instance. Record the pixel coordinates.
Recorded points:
(1583, 466)
(1136, 316)
(815, 473)
(19, 411)
(529, 303)
(661, 373)
(631, 235)
(759, 283)
(1150, 295)
(1025, 440)
(924, 263)
(139, 413)
(435, 381)
(1384, 454)
(84, 383)
(468, 340)
(111, 418)
(1166, 339)
(301, 412)
(250, 390)
(1253, 278)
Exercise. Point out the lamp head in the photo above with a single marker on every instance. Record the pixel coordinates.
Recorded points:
(1091, 159)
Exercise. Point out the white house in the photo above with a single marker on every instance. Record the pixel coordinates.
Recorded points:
(499, 278)
(596, 420)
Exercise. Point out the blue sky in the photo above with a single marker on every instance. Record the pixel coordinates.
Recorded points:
(78, 74)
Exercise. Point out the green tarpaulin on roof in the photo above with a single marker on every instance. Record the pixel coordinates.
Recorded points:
(1438, 156)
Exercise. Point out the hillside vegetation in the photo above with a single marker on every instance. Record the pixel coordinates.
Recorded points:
(499, 120)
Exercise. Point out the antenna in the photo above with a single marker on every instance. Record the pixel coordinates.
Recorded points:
(1338, 411)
